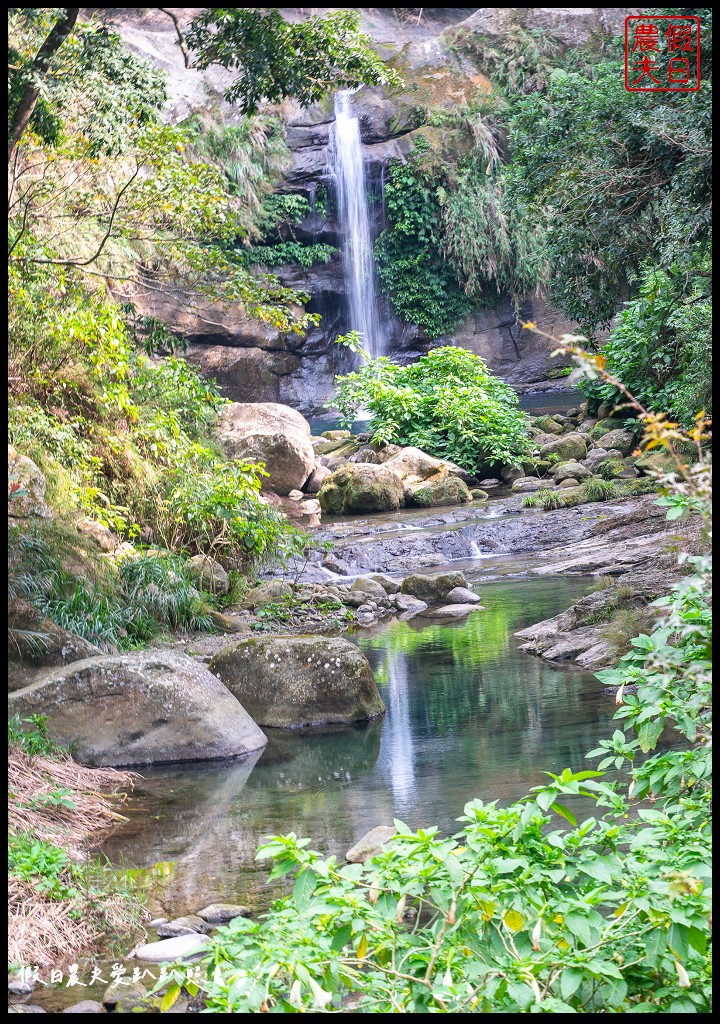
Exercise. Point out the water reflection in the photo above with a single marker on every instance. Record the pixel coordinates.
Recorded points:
(468, 715)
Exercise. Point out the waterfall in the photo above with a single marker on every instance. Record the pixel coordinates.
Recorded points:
(358, 261)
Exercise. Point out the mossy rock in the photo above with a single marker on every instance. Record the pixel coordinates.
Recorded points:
(361, 487)
(439, 489)
(548, 425)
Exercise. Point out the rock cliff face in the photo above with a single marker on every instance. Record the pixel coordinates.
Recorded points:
(258, 364)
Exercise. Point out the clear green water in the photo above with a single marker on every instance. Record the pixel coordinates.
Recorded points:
(468, 715)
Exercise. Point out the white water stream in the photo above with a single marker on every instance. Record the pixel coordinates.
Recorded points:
(346, 167)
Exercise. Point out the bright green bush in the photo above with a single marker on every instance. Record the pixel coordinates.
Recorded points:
(447, 403)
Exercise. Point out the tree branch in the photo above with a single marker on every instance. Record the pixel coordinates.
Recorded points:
(181, 38)
(58, 34)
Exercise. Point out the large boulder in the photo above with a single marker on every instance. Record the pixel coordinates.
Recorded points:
(36, 642)
(526, 484)
(153, 707)
(361, 487)
(26, 487)
(438, 489)
(622, 440)
(432, 589)
(300, 680)
(267, 593)
(569, 446)
(413, 464)
(270, 433)
(570, 471)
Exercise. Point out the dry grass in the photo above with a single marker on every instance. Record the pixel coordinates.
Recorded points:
(55, 800)
(94, 792)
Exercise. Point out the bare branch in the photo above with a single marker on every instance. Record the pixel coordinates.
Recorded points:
(181, 37)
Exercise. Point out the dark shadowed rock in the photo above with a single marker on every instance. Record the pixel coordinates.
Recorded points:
(153, 707)
(301, 680)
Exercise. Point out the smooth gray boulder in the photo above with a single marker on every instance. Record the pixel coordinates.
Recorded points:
(452, 611)
(572, 470)
(526, 484)
(182, 947)
(191, 924)
(622, 440)
(300, 680)
(409, 605)
(270, 433)
(462, 595)
(150, 707)
(370, 844)
(221, 913)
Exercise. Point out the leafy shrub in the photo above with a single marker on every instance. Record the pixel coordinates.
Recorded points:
(447, 403)
(423, 289)
(289, 252)
(599, 490)
(545, 499)
(31, 735)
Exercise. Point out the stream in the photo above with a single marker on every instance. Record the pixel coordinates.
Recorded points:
(468, 715)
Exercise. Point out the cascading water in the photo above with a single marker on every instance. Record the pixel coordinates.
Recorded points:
(348, 172)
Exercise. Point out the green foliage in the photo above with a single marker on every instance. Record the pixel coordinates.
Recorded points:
(48, 866)
(545, 499)
(447, 403)
(122, 611)
(31, 735)
(278, 59)
(661, 347)
(613, 181)
(599, 490)
(489, 237)
(292, 610)
(422, 287)
(290, 252)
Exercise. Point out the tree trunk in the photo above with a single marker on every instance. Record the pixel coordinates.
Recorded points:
(58, 34)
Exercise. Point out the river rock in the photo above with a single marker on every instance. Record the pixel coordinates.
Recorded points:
(594, 459)
(409, 605)
(568, 481)
(490, 481)
(623, 440)
(301, 680)
(221, 913)
(266, 593)
(569, 446)
(336, 435)
(527, 484)
(361, 487)
(86, 1006)
(19, 1008)
(439, 489)
(18, 986)
(270, 433)
(366, 454)
(150, 707)
(389, 585)
(432, 589)
(452, 611)
(100, 534)
(182, 947)
(126, 996)
(413, 464)
(462, 595)
(29, 499)
(317, 478)
(548, 425)
(572, 470)
(509, 474)
(210, 574)
(370, 587)
(50, 644)
(189, 925)
(370, 844)
(477, 494)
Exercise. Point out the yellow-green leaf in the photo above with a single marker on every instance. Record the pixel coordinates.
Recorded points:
(513, 920)
(170, 997)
